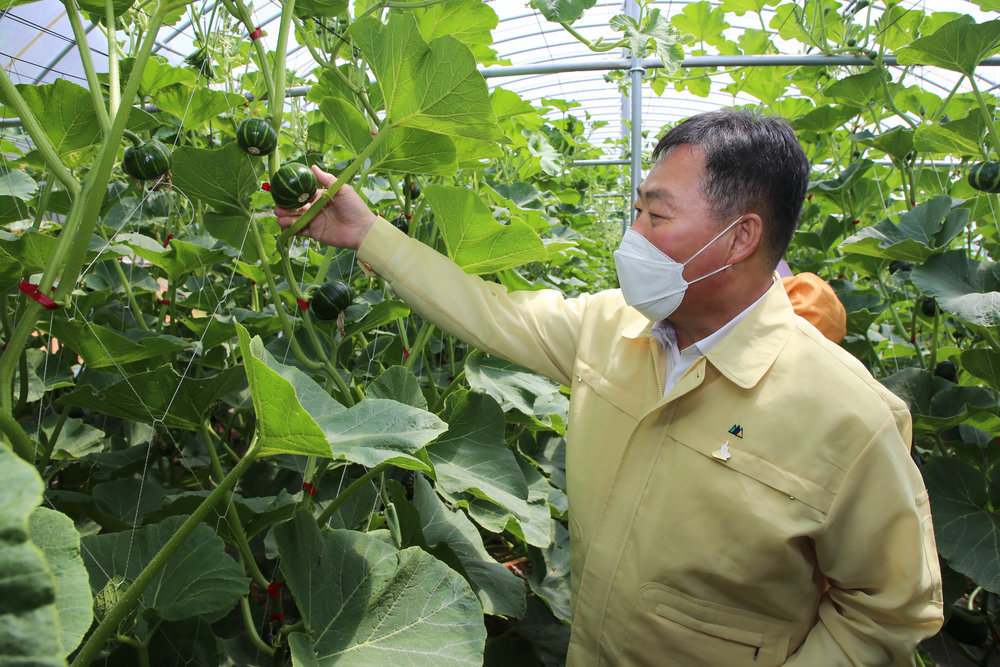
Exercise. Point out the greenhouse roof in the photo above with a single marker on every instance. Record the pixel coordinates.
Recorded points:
(536, 58)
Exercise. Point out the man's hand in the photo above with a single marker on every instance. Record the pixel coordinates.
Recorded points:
(343, 222)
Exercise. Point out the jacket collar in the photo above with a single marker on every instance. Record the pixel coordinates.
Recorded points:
(745, 355)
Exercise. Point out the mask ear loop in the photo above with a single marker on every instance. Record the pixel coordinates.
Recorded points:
(717, 237)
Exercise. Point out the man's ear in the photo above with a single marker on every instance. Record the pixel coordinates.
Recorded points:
(748, 237)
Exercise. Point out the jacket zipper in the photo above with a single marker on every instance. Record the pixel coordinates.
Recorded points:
(656, 368)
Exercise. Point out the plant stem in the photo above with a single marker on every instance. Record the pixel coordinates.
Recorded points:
(114, 81)
(335, 504)
(248, 624)
(276, 101)
(73, 14)
(418, 345)
(130, 597)
(987, 117)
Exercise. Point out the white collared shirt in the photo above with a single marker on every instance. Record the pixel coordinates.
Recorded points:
(679, 361)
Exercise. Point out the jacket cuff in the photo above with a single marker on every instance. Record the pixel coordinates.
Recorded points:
(381, 243)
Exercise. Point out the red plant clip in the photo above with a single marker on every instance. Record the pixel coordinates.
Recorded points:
(310, 488)
(256, 34)
(277, 617)
(167, 242)
(303, 304)
(265, 186)
(274, 587)
(32, 291)
(165, 302)
(406, 353)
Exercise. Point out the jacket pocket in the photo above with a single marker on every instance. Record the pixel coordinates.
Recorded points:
(673, 628)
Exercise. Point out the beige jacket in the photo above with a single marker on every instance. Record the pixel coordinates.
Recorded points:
(704, 524)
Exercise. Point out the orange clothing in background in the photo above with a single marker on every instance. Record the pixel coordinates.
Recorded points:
(814, 299)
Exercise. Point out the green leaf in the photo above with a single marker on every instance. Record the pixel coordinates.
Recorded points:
(233, 229)
(102, 347)
(966, 523)
(295, 416)
(472, 455)
(310, 8)
(16, 183)
(964, 287)
(562, 11)
(224, 178)
(922, 232)
(944, 139)
(366, 603)
(512, 385)
(959, 45)
(195, 105)
(76, 439)
(159, 74)
(858, 90)
(431, 86)
(410, 150)
(57, 537)
(896, 143)
(380, 314)
(29, 625)
(200, 579)
(551, 583)
(826, 118)
(160, 394)
(473, 237)
(702, 21)
(398, 384)
(468, 21)
(499, 591)
(65, 112)
(178, 258)
(984, 364)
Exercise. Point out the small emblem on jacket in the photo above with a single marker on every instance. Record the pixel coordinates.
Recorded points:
(737, 430)
(723, 454)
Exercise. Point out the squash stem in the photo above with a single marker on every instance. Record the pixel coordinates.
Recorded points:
(335, 504)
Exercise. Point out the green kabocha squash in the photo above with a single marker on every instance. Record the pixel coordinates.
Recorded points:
(256, 136)
(985, 176)
(293, 185)
(147, 161)
(330, 300)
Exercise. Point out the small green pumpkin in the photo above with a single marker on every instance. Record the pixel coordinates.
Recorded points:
(293, 185)
(148, 161)
(985, 176)
(330, 300)
(256, 136)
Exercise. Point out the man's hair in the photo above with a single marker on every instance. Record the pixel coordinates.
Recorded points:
(753, 164)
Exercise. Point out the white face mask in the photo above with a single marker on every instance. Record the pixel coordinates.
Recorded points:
(651, 281)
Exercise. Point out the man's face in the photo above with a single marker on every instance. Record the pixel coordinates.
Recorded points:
(673, 214)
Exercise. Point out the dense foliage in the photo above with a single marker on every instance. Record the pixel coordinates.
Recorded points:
(195, 467)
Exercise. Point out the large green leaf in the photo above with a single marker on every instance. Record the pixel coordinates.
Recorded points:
(57, 537)
(499, 591)
(512, 385)
(223, 178)
(16, 183)
(29, 619)
(984, 364)
(102, 347)
(551, 582)
(964, 503)
(964, 287)
(366, 603)
(24, 254)
(958, 45)
(473, 237)
(195, 105)
(296, 416)
(921, 232)
(469, 21)
(178, 258)
(956, 138)
(407, 149)
(472, 456)
(935, 403)
(160, 394)
(562, 11)
(200, 579)
(432, 86)
(65, 112)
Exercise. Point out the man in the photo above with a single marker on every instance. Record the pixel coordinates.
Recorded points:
(740, 488)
